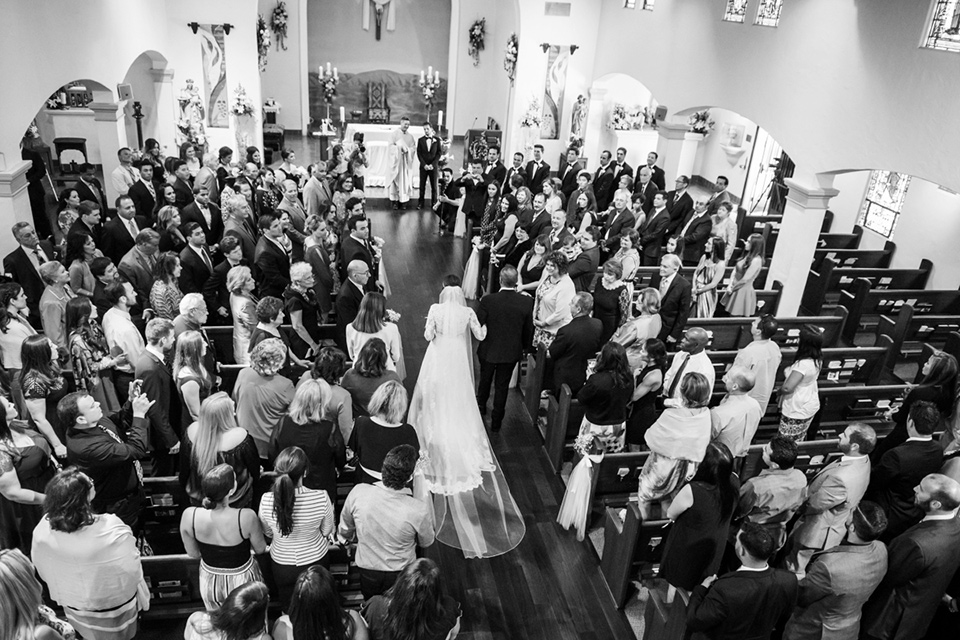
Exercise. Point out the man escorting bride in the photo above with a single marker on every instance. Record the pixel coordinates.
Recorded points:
(473, 508)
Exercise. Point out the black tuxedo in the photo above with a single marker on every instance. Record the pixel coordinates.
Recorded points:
(604, 184)
(690, 245)
(348, 305)
(536, 176)
(92, 192)
(568, 177)
(213, 231)
(21, 270)
(164, 414)
(674, 306)
(96, 232)
(583, 269)
(144, 201)
(647, 191)
(680, 207)
(474, 196)
(742, 605)
(576, 342)
(539, 225)
(272, 267)
(508, 317)
(893, 479)
(495, 173)
(194, 272)
(352, 249)
(652, 235)
(183, 193)
(621, 170)
(512, 171)
(116, 239)
(215, 292)
(657, 176)
(428, 154)
(617, 223)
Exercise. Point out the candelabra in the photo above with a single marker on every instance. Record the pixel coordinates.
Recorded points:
(429, 85)
(328, 82)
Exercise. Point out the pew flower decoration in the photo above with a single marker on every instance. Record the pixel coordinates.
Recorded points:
(278, 22)
(477, 34)
(242, 105)
(393, 316)
(263, 43)
(701, 122)
(533, 116)
(583, 444)
(510, 57)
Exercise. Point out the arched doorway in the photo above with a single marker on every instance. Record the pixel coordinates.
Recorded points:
(146, 77)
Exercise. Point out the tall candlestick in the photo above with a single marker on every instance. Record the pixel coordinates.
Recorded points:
(436, 77)
(335, 73)
(440, 119)
(422, 78)
(328, 67)
(430, 70)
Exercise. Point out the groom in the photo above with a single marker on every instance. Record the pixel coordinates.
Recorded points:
(508, 317)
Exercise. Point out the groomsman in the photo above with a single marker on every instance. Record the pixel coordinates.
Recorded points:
(494, 171)
(657, 175)
(604, 182)
(515, 170)
(143, 192)
(568, 171)
(621, 167)
(428, 153)
(537, 170)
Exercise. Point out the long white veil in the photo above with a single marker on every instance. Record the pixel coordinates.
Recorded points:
(473, 508)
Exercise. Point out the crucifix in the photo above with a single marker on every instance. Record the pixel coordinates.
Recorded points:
(381, 8)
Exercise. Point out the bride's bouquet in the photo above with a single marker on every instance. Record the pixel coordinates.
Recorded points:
(393, 316)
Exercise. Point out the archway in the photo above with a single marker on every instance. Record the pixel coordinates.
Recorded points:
(620, 115)
(145, 77)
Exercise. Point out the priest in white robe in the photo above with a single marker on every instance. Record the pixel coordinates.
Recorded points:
(403, 150)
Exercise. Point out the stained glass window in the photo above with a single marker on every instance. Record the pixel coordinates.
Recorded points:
(768, 13)
(943, 31)
(886, 191)
(736, 11)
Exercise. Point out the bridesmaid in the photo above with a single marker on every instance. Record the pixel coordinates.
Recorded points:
(707, 277)
(740, 300)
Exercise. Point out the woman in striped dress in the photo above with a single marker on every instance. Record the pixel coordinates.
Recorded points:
(300, 521)
(222, 537)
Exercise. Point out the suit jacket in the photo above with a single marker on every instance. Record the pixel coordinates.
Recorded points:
(116, 240)
(540, 225)
(348, 304)
(680, 208)
(615, 225)
(741, 605)
(674, 306)
(831, 496)
(164, 414)
(535, 176)
(96, 232)
(568, 179)
(92, 193)
(319, 260)
(496, 173)
(512, 171)
(184, 194)
(690, 246)
(716, 200)
(213, 231)
(893, 479)
(647, 191)
(922, 562)
(556, 242)
(273, 268)
(583, 269)
(21, 270)
(214, 290)
(621, 170)
(352, 249)
(657, 176)
(194, 272)
(474, 196)
(654, 231)
(428, 155)
(508, 317)
(138, 272)
(239, 230)
(316, 196)
(837, 583)
(576, 342)
(143, 200)
(604, 184)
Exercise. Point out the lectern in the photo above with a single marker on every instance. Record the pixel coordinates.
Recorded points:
(476, 143)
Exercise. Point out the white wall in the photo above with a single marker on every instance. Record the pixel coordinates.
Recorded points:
(284, 77)
(713, 161)
(846, 206)
(145, 92)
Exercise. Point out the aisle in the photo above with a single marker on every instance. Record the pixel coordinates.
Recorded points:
(550, 586)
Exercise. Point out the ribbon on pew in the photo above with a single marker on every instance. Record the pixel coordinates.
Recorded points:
(576, 501)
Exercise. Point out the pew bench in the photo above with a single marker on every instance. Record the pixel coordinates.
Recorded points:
(730, 334)
(865, 305)
(222, 339)
(908, 332)
(825, 284)
(855, 257)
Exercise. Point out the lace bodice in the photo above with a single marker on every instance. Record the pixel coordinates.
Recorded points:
(449, 320)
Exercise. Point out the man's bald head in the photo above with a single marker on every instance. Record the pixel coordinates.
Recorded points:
(739, 380)
(358, 271)
(694, 340)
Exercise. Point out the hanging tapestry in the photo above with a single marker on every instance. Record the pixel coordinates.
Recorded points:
(556, 81)
(214, 60)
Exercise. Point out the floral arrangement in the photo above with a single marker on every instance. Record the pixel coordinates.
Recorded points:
(510, 57)
(278, 22)
(533, 116)
(445, 156)
(583, 444)
(633, 118)
(56, 101)
(477, 33)
(393, 316)
(575, 142)
(263, 43)
(429, 85)
(618, 118)
(328, 82)
(701, 122)
(242, 105)
(190, 123)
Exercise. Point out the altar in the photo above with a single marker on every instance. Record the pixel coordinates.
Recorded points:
(376, 138)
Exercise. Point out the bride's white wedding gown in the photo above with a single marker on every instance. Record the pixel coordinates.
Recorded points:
(473, 508)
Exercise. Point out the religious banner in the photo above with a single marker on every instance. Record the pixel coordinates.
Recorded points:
(214, 61)
(554, 86)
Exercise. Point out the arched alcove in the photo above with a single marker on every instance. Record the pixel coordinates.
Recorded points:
(75, 122)
(141, 76)
(621, 115)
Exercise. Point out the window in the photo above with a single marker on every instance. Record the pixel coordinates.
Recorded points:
(886, 191)
(629, 4)
(768, 13)
(648, 5)
(943, 31)
(736, 11)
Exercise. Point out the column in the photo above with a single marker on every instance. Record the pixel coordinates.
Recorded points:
(677, 148)
(593, 128)
(166, 111)
(14, 202)
(806, 205)
(111, 135)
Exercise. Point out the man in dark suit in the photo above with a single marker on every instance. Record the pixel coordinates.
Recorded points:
(577, 342)
(120, 232)
(584, 258)
(89, 221)
(508, 317)
(645, 187)
(138, 265)
(515, 170)
(196, 265)
(356, 246)
(494, 171)
(568, 171)
(893, 478)
(921, 563)
(657, 175)
(474, 191)
(271, 259)
(692, 236)
(537, 170)
(164, 415)
(215, 292)
(720, 194)
(675, 297)
(541, 217)
(143, 191)
(618, 221)
(604, 182)
(23, 266)
(89, 188)
(428, 153)
(181, 185)
(558, 231)
(680, 205)
(621, 167)
(348, 300)
(748, 603)
(654, 231)
(204, 213)
(584, 188)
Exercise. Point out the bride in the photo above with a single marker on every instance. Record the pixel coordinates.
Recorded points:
(473, 508)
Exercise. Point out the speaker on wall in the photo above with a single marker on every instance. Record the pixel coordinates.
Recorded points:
(125, 92)
(660, 113)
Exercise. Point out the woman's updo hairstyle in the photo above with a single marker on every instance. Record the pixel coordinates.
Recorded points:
(217, 484)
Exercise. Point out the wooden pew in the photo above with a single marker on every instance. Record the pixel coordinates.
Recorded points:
(841, 240)
(909, 331)
(751, 223)
(856, 257)
(533, 382)
(222, 338)
(644, 276)
(839, 406)
(825, 284)
(165, 502)
(865, 305)
(729, 334)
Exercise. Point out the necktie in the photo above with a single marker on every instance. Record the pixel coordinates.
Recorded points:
(136, 463)
(664, 285)
(206, 260)
(151, 189)
(679, 376)
(687, 226)
(40, 257)
(132, 227)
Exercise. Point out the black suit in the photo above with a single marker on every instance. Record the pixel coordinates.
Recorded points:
(352, 249)
(348, 304)
(576, 342)
(92, 192)
(213, 231)
(621, 170)
(583, 269)
(215, 292)
(495, 173)
(651, 237)
(568, 178)
(536, 176)
(647, 191)
(428, 155)
(508, 317)
(893, 479)
(674, 306)
(183, 193)
(164, 414)
(116, 238)
(507, 188)
(742, 605)
(273, 268)
(691, 244)
(96, 232)
(144, 201)
(194, 272)
(618, 223)
(474, 196)
(21, 270)
(604, 184)
(657, 176)
(680, 208)
(539, 225)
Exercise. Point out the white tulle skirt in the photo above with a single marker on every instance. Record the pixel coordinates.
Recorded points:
(460, 226)
(471, 275)
(458, 472)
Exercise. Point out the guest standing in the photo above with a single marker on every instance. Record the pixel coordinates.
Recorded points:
(762, 356)
(368, 373)
(90, 355)
(316, 611)
(773, 497)
(242, 616)
(737, 417)
(414, 607)
(194, 382)
(53, 302)
(168, 224)
(740, 298)
(81, 250)
(165, 414)
(799, 396)
(577, 343)
(707, 277)
(371, 322)
(15, 327)
(382, 430)
(604, 398)
(262, 396)
(329, 366)
(25, 468)
(611, 299)
(531, 265)
(43, 386)
(300, 302)
(21, 601)
(243, 310)
(165, 293)
(635, 332)
(628, 255)
(554, 295)
(675, 299)
(651, 366)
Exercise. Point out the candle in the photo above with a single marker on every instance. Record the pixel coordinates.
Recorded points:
(430, 70)
(436, 77)
(334, 73)
(422, 79)
(440, 119)
(343, 114)
(328, 67)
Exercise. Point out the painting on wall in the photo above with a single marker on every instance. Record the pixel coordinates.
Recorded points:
(732, 135)
(556, 82)
(214, 59)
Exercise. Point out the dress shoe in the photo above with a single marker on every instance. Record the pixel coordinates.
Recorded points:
(419, 205)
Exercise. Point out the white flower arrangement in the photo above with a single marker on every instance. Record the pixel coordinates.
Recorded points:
(701, 122)
(393, 316)
(263, 43)
(533, 116)
(510, 57)
(278, 22)
(477, 33)
(241, 105)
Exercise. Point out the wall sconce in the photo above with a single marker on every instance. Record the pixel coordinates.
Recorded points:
(545, 46)
(194, 26)
(573, 48)
(226, 28)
